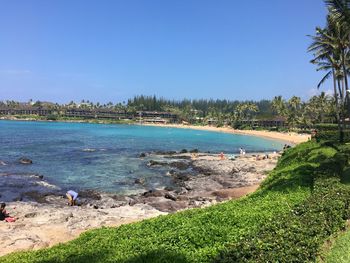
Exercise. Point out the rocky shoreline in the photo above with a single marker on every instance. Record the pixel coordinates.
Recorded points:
(198, 180)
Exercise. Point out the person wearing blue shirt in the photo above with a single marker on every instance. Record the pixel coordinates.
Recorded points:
(72, 197)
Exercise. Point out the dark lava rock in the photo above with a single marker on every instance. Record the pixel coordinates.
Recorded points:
(25, 160)
(235, 170)
(140, 181)
(91, 194)
(142, 155)
(156, 163)
(169, 188)
(95, 206)
(169, 206)
(203, 171)
(181, 177)
(36, 196)
(30, 215)
(132, 202)
(183, 151)
(153, 193)
(119, 198)
(180, 165)
(194, 151)
(166, 152)
(170, 196)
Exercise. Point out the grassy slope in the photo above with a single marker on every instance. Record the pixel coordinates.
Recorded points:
(196, 235)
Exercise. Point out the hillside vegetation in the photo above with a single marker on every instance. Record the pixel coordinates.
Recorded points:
(302, 202)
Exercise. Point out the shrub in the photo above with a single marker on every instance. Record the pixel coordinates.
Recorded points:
(297, 235)
(332, 135)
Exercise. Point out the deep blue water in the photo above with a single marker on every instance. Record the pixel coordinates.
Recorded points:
(60, 151)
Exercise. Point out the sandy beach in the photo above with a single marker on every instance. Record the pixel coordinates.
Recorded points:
(290, 137)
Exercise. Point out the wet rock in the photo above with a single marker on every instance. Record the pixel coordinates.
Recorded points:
(183, 151)
(156, 163)
(36, 196)
(25, 160)
(153, 193)
(194, 151)
(170, 196)
(169, 188)
(142, 155)
(165, 152)
(140, 181)
(181, 177)
(90, 194)
(95, 206)
(180, 165)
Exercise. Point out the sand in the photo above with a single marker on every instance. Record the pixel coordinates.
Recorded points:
(290, 137)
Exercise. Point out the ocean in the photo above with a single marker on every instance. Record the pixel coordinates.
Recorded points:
(105, 157)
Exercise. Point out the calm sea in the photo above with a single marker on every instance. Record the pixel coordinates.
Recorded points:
(105, 157)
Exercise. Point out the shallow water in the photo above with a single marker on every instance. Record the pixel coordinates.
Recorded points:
(105, 157)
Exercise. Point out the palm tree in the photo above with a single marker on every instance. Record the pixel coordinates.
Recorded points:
(330, 48)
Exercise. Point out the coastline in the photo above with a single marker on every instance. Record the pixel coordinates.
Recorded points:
(290, 137)
(214, 181)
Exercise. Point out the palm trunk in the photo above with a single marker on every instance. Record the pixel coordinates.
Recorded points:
(341, 134)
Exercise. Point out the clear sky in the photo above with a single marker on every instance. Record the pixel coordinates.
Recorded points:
(111, 50)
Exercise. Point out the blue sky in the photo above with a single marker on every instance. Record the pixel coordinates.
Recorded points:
(111, 50)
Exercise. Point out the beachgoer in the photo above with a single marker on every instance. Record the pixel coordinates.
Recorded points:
(72, 197)
(243, 151)
(4, 216)
(222, 156)
(240, 151)
(3, 213)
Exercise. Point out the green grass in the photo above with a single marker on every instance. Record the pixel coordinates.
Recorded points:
(199, 235)
(336, 249)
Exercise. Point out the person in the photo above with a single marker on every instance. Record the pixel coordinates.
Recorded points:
(4, 216)
(222, 156)
(240, 151)
(243, 151)
(72, 197)
(3, 213)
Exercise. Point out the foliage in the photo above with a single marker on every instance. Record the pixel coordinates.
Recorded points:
(332, 135)
(200, 235)
(297, 234)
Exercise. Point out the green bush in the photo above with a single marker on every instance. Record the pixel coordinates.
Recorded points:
(326, 127)
(297, 235)
(332, 135)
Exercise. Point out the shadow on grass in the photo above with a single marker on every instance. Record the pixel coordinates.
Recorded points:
(302, 175)
(158, 256)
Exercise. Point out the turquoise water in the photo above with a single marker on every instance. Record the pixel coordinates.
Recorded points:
(105, 157)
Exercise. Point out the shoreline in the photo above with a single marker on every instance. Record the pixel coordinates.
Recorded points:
(290, 137)
(214, 181)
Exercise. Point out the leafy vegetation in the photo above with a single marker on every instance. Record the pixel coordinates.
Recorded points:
(331, 51)
(300, 204)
